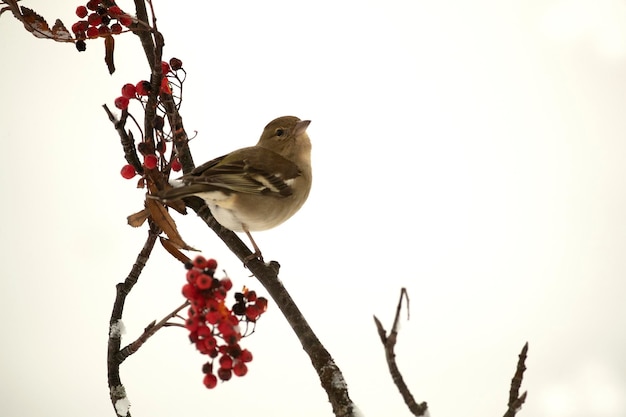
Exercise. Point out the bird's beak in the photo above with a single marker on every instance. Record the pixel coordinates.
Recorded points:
(301, 127)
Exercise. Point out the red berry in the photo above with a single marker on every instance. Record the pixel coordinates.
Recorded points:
(224, 374)
(190, 292)
(121, 103)
(233, 320)
(199, 262)
(213, 316)
(81, 11)
(192, 324)
(80, 26)
(129, 91)
(251, 296)
(246, 356)
(176, 64)
(125, 20)
(261, 304)
(210, 381)
(176, 166)
(192, 275)
(240, 368)
(211, 264)
(93, 4)
(226, 362)
(143, 88)
(165, 86)
(202, 347)
(114, 11)
(116, 28)
(204, 332)
(226, 283)
(104, 30)
(210, 343)
(165, 67)
(252, 312)
(204, 282)
(149, 161)
(128, 171)
(92, 32)
(94, 19)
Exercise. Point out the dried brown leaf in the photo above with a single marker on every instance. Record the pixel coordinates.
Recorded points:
(60, 32)
(163, 219)
(109, 47)
(174, 251)
(36, 24)
(139, 218)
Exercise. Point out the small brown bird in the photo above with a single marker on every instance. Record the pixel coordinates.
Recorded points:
(255, 188)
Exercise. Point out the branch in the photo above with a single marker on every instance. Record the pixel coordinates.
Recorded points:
(151, 329)
(515, 400)
(128, 142)
(389, 343)
(142, 33)
(330, 375)
(116, 389)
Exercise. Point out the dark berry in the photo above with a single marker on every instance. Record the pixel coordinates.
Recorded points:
(116, 28)
(114, 11)
(143, 88)
(81, 11)
(176, 64)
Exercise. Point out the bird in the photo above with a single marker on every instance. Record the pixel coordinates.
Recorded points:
(255, 188)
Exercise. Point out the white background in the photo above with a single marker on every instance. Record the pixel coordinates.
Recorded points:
(470, 151)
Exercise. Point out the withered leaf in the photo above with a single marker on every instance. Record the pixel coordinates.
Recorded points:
(60, 32)
(109, 47)
(162, 218)
(173, 250)
(35, 24)
(139, 218)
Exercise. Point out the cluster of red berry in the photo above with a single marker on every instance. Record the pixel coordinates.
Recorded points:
(213, 327)
(98, 20)
(138, 91)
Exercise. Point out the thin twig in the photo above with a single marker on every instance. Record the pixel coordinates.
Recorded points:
(150, 330)
(128, 143)
(389, 343)
(515, 400)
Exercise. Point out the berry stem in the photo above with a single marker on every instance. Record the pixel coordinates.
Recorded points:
(151, 329)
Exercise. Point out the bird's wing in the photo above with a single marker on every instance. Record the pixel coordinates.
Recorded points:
(250, 170)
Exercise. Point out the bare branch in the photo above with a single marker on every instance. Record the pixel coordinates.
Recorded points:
(151, 329)
(515, 400)
(116, 388)
(389, 343)
(128, 142)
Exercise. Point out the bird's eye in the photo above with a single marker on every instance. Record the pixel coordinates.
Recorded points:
(279, 132)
